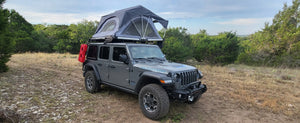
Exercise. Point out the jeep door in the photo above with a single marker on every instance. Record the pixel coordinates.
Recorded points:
(103, 63)
(118, 71)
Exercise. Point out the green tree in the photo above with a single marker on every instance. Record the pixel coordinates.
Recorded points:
(20, 30)
(61, 35)
(177, 44)
(41, 41)
(200, 41)
(80, 33)
(6, 44)
(277, 44)
(221, 49)
(69, 38)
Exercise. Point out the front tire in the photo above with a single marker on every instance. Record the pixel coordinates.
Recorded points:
(91, 83)
(154, 101)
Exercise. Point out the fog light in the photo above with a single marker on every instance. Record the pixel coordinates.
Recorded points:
(190, 98)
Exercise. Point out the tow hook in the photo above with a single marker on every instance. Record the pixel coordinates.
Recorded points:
(191, 98)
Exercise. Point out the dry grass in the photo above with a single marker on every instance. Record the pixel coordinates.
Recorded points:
(270, 89)
(49, 88)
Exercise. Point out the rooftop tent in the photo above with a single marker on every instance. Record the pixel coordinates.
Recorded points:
(134, 23)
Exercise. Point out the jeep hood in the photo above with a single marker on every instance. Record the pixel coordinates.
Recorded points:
(164, 67)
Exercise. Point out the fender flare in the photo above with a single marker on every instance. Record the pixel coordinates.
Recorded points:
(151, 77)
(88, 67)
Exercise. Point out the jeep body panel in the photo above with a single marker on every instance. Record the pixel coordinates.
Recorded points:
(118, 68)
(179, 80)
(163, 67)
(147, 77)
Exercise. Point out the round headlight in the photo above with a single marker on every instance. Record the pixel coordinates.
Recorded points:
(169, 74)
(177, 77)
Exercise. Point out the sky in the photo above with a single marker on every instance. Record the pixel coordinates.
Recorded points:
(241, 16)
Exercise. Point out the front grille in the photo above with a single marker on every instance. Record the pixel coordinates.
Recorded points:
(188, 77)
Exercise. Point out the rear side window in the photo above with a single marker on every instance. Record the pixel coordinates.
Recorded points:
(104, 53)
(117, 52)
(92, 53)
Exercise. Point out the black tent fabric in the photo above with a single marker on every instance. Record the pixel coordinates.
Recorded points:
(134, 23)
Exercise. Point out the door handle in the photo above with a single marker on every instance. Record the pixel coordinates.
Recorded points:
(100, 64)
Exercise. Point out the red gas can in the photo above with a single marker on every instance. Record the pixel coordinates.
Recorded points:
(82, 52)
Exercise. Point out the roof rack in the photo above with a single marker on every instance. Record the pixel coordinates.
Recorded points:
(112, 40)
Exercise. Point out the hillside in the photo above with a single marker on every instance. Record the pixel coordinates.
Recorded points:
(50, 87)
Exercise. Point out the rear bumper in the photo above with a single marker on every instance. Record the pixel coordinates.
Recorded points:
(193, 89)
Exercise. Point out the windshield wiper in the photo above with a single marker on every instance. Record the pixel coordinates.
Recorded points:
(156, 58)
(140, 59)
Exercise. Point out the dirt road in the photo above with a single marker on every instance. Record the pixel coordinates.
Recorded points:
(50, 87)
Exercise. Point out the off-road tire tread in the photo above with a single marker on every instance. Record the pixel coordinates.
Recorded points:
(96, 84)
(163, 98)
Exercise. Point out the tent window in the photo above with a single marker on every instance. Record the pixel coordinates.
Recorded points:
(109, 26)
(140, 27)
(131, 30)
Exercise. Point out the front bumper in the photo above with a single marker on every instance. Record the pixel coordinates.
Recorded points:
(193, 89)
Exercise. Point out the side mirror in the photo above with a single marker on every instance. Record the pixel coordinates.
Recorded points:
(123, 58)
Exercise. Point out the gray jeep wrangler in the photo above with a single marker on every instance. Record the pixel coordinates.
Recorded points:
(142, 69)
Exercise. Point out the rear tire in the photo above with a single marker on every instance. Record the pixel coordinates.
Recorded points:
(154, 101)
(91, 83)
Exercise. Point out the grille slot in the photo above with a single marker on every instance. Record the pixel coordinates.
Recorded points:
(188, 77)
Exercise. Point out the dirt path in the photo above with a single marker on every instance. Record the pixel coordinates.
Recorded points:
(38, 89)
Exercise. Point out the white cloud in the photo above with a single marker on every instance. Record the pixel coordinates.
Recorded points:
(178, 15)
(245, 21)
(59, 18)
(243, 26)
(221, 8)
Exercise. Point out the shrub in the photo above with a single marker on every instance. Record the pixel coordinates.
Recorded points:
(177, 45)
(221, 49)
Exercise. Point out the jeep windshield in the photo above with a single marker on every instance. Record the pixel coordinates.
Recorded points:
(146, 53)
